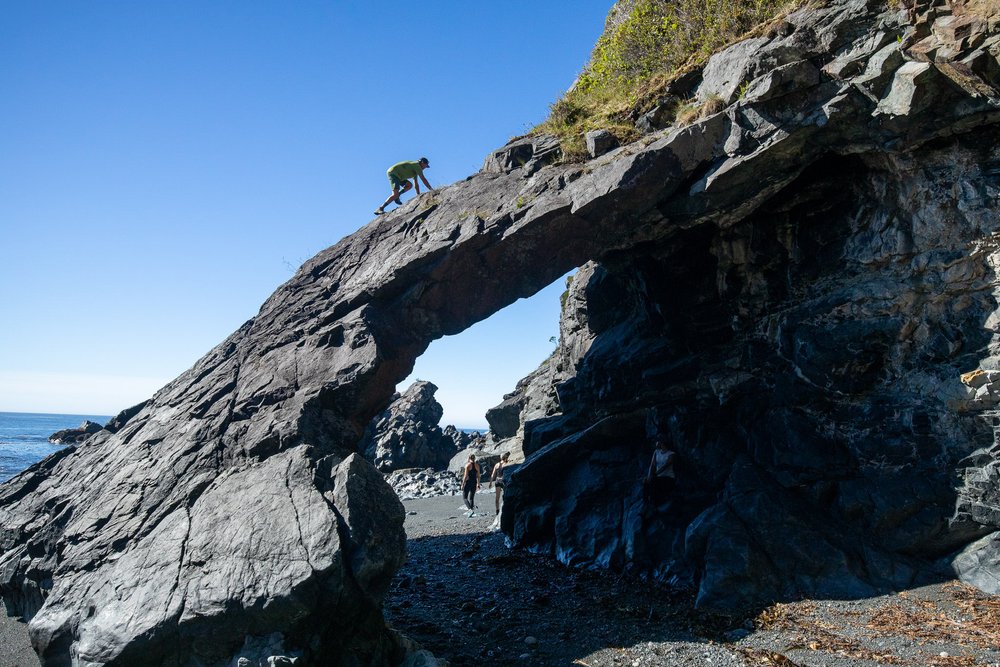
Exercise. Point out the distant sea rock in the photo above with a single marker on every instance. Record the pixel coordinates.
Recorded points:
(73, 436)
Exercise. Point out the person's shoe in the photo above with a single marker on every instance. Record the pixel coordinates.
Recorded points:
(379, 211)
(399, 202)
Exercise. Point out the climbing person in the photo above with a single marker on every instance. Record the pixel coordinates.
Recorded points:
(497, 478)
(470, 483)
(660, 478)
(399, 179)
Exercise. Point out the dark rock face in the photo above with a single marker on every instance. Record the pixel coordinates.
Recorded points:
(69, 436)
(790, 288)
(118, 422)
(407, 435)
(461, 439)
(804, 353)
(537, 396)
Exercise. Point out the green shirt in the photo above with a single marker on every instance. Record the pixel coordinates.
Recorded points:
(405, 170)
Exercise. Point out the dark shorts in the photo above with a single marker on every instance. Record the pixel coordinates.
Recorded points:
(660, 489)
(396, 181)
(499, 484)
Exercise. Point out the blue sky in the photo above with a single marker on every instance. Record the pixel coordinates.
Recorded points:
(164, 166)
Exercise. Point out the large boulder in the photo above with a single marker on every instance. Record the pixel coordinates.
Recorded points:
(407, 434)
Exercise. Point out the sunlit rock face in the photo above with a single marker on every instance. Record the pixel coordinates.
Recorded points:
(791, 288)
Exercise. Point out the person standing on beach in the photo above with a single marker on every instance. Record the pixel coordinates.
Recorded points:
(660, 479)
(470, 483)
(497, 479)
(399, 180)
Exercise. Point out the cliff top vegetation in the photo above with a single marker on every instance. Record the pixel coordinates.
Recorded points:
(645, 45)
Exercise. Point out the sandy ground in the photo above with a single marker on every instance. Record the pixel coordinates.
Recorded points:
(471, 601)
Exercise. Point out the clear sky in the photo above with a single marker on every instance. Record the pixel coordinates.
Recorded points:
(164, 166)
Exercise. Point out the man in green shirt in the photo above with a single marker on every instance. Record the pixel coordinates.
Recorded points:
(399, 178)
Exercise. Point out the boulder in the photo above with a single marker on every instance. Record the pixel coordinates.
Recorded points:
(657, 118)
(407, 435)
(600, 142)
(70, 436)
(461, 439)
(530, 153)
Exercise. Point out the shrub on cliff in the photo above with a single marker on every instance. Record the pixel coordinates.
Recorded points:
(645, 44)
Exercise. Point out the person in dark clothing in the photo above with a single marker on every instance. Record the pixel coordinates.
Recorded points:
(497, 478)
(470, 483)
(660, 479)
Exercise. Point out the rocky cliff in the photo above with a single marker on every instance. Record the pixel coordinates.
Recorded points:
(803, 344)
(790, 287)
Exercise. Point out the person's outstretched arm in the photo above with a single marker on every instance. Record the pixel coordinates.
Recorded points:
(424, 179)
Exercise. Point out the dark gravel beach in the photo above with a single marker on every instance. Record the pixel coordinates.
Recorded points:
(471, 601)
(15, 649)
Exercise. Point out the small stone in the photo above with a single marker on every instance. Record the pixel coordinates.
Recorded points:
(531, 641)
(737, 634)
(944, 654)
(600, 142)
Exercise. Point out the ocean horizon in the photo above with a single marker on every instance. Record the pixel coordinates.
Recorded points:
(24, 437)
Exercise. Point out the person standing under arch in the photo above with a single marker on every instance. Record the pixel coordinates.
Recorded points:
(658, 486)
(497, 478)
(470, 483)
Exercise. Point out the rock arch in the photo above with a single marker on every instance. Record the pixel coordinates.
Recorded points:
(231, 514)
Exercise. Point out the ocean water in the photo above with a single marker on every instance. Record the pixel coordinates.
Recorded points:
(24, 438)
